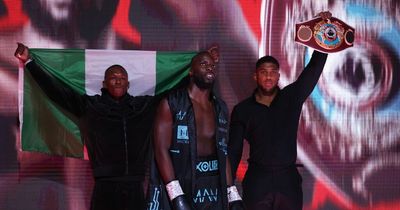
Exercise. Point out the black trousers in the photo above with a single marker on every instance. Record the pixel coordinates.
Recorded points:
(272, 188)
(118, 195)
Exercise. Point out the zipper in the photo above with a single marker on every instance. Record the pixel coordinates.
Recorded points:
(126, 148)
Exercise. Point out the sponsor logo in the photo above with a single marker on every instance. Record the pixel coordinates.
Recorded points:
(206, 195)
(223, 130)
(222, 120)
(223, 146)
(207, 166)
(175, 151)
(154, 203)
(182, 134)
(180, 115)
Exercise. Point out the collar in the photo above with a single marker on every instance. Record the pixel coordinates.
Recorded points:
(105, 95)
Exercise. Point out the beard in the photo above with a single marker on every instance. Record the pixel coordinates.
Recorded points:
(268, 91)
(203, 83)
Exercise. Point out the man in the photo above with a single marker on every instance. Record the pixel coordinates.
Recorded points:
(190, 145)
(268, 120)
(115, 128)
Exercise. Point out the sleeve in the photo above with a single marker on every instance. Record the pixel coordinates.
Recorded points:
(235, 144)
(309, 77)
(56, 90)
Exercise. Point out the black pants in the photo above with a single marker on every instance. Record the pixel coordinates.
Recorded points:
(118, 195)
(272, 189)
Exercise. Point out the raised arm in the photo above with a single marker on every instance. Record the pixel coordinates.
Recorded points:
(162, 143)
(55, 89)
(308, 79)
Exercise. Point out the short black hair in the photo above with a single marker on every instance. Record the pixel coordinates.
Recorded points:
(201, 53)
(112, 67)
(267, 59)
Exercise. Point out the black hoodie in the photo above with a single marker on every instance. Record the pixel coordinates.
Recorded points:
(116, 133)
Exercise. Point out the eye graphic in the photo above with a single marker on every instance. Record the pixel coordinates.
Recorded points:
(357, 99)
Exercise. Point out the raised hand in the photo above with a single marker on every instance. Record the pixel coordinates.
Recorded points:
(214, 52)
(22, 52)
(325, 15)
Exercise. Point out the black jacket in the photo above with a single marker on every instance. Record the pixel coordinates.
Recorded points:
(116, 133)
(183, 150)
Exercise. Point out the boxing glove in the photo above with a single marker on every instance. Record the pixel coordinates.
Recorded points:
(180, 203)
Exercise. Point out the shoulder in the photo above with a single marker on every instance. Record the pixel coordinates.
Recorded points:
(140, 99)
(220, 101)
(244, 104)
(177, 93)
(243, 110)
(178, 97)
(92, 98)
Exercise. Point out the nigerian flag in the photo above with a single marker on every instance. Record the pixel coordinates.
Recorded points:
(45, 127)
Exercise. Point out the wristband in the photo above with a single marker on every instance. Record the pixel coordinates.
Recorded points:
(233, 194)
(174, 189)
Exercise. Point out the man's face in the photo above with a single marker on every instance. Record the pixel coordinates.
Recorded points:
(116, 82)
(203, 71)
(58, 9)
(267, 77)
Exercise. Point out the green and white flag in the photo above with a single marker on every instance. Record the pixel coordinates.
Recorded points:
(47, 128)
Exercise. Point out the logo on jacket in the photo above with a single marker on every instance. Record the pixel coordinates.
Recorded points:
(182, 134)
(222, 120)
(154, 203)
(223, 146)
(180, 115)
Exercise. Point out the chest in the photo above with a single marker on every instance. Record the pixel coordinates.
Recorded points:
(260, 118)
(204, 116)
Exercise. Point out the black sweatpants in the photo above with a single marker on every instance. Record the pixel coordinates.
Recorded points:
(272, 188)
(118, 195)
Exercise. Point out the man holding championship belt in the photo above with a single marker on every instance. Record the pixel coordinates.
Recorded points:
(269, 119)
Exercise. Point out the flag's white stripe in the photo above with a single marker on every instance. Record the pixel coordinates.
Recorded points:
(140, 65)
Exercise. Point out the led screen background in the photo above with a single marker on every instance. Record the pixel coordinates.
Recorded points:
(348, 138)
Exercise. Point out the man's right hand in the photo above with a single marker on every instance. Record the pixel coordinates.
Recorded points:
(180, 203)
(22, 53)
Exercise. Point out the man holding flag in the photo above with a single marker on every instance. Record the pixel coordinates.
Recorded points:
(114, 126)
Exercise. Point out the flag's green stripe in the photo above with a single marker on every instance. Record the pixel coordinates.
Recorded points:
(67, 65)
(171, 68)
(46, 127)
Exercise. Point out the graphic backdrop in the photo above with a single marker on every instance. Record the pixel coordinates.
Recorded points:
(349, 138)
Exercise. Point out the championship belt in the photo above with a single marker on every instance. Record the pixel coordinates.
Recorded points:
(330, 35)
